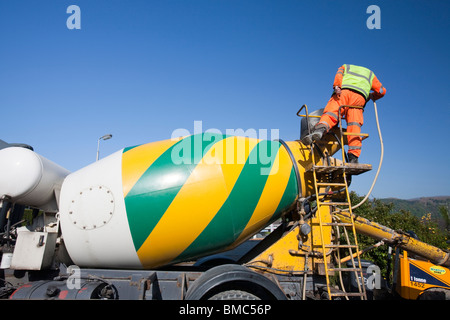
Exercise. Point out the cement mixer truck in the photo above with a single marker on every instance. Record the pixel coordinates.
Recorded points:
(162, 220)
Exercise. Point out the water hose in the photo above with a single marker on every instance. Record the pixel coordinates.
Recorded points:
(381, 158)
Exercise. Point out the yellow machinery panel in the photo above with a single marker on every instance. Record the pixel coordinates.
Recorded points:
(284, 256)
(417, 277)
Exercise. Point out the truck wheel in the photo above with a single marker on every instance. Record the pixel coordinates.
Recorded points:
(435, 294)
(234, 295)
(234, 278)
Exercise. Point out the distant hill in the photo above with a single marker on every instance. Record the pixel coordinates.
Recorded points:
(421, 206)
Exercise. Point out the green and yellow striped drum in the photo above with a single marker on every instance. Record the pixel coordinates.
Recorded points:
(175, 200)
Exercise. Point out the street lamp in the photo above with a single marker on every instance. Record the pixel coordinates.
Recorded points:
(105, 137)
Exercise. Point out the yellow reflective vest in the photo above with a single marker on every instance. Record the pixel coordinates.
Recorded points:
(357, 78)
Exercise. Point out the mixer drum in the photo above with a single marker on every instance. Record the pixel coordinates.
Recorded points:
(174, 200)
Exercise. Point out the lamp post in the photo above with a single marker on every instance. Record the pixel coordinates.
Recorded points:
(105, 137)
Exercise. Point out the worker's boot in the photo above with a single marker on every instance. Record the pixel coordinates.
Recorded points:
(318, 131)
(352, 158)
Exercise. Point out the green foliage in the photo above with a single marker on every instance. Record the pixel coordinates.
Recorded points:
(425, 227)
(445, 216)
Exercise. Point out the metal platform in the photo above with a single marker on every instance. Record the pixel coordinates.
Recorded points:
(349, 168)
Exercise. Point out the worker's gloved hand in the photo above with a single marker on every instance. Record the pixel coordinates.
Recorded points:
(337, 91)
(374, 96)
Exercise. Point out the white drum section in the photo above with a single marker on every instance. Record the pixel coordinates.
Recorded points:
(30, 179)
(92, 208)
(93, 218)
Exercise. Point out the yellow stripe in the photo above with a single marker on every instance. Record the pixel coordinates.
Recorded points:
(137, 160)
(271, 196)
(196, 203)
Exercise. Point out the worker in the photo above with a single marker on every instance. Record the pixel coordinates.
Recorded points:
(352, 86)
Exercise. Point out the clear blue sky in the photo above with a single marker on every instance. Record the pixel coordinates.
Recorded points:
(141, 69)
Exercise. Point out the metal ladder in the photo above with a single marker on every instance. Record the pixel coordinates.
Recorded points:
(321, 177)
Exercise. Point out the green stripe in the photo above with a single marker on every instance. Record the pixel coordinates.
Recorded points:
(233, 216)
(129, 148)
(155, 190)
(288, 198)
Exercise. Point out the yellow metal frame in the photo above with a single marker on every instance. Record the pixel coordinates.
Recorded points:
(296, 254)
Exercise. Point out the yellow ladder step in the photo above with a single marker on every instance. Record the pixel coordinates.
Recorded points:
(337, 224)
(334, 203)
(331, 184)
(341, 246)
(345, 269)
(347, 294)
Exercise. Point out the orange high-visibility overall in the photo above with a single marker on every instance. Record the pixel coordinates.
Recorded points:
(354, 117)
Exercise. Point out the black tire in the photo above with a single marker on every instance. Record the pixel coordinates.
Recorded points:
(234, 295)
(234, 277)
(435, 294)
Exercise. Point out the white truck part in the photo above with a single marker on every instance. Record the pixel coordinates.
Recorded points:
(30, 179)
